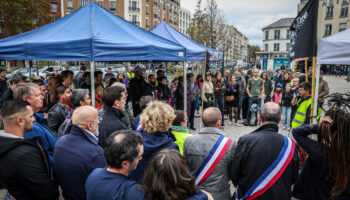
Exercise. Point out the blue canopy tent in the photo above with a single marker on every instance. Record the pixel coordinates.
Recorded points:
(90, 34)
(194, 51)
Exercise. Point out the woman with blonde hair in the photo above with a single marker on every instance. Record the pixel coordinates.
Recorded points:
(207, 93)
(156, 120)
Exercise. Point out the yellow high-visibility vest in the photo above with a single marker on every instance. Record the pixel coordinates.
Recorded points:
(300, 115)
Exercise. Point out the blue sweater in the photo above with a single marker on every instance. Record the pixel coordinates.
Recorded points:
(41, 130)
(104, 185)
(153, 143)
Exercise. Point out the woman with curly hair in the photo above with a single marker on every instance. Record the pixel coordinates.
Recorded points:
(167, 178)
(326, 173)
(156, 120)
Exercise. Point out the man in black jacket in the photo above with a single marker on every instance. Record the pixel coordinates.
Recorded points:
(137, 90)
(256, 152)
(25, 169)
(114, 98)
(79, 78)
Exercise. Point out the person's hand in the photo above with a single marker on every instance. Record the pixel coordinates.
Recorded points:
(250, 95)
(294, 102)
(46, 116)
(260, 96)
(327, 119)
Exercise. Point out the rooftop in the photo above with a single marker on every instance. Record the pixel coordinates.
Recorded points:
(284, 22)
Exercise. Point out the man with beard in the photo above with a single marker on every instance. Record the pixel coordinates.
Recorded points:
(25, 169)
(123, 151)
(150, 88)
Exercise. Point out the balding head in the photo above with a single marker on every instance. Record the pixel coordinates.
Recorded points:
(86, 117)
(212, 117)
(270, 113)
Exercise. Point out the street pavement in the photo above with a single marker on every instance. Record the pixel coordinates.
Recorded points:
(336, 84)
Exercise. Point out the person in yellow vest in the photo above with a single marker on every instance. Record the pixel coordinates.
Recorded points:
(303, 113)
(179, 130)
(303, 106)
(129, 75)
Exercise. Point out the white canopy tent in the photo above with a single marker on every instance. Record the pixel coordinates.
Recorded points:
(334, 49)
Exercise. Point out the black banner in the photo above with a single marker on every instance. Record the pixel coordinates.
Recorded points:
(214, 62)
(303, 32)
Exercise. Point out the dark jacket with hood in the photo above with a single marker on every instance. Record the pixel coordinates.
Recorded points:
(254, 154)
(57, 114)
(110, 123)
(153, 143)
(312, 183)
(163, 92)
(25, 169)
(40, 129)
(136, 89)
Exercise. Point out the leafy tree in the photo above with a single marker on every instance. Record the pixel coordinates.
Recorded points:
(23, 15)
(252, 51)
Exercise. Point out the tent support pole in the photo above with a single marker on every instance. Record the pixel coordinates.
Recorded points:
(306, 71)
(316, 72)
(185, 89)
(202, 93)
(92, 82)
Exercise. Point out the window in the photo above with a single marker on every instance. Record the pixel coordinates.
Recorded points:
(70, 5)
(329, 12)
(83, 2)
(277, 34)
(288, 34)
(266, 47)
(147, 10)
(53, 7)
(276, 47)
(266, 35)
(147, 23)
(328, 30)
(344, 10)
(112, 6)
(287, 46)
(342, 27)
(100, 3)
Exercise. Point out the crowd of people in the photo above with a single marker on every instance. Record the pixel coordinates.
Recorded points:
(135, 143)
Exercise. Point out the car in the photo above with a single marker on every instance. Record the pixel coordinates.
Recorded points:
(24, 71)
(49, 69)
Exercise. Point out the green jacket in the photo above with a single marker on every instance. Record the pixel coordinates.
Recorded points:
(180, 134)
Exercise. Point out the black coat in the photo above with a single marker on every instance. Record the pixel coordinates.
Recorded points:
(163, 92)
(25, 170)
(254, 154)
(287, 98)
(78, 79)
(312, 183)
(7, 95)
(57, 115)
(136, 89)
(109, 124)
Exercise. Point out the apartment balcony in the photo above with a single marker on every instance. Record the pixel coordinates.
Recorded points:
(134, 9)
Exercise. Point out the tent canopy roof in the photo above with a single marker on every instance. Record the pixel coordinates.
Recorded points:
(90, 34)
(194, 51)
(334, 49)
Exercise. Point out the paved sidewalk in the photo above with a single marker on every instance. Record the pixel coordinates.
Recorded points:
(336, 84)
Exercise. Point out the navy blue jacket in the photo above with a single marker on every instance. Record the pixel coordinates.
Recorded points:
(136, 122)
(109, 124)
(153, 143)
(3, 86)
(104, 185)
(76, 155)
(40, 129)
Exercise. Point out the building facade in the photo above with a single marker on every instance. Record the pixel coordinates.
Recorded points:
(143, 13)
(235, 47)
(276, 42)
(333, 16)
(184, 20)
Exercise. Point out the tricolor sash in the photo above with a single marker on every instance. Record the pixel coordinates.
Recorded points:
(138, 128)
(213, 159)
(273, 173)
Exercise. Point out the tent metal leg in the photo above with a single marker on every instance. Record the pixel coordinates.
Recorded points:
(92, 77)
(185, 89)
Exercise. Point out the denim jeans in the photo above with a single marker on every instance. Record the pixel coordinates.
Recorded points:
(220, 103)
(251, 101)
(240, 105)
(286, 113)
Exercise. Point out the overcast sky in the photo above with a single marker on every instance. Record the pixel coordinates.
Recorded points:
(250, 16)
